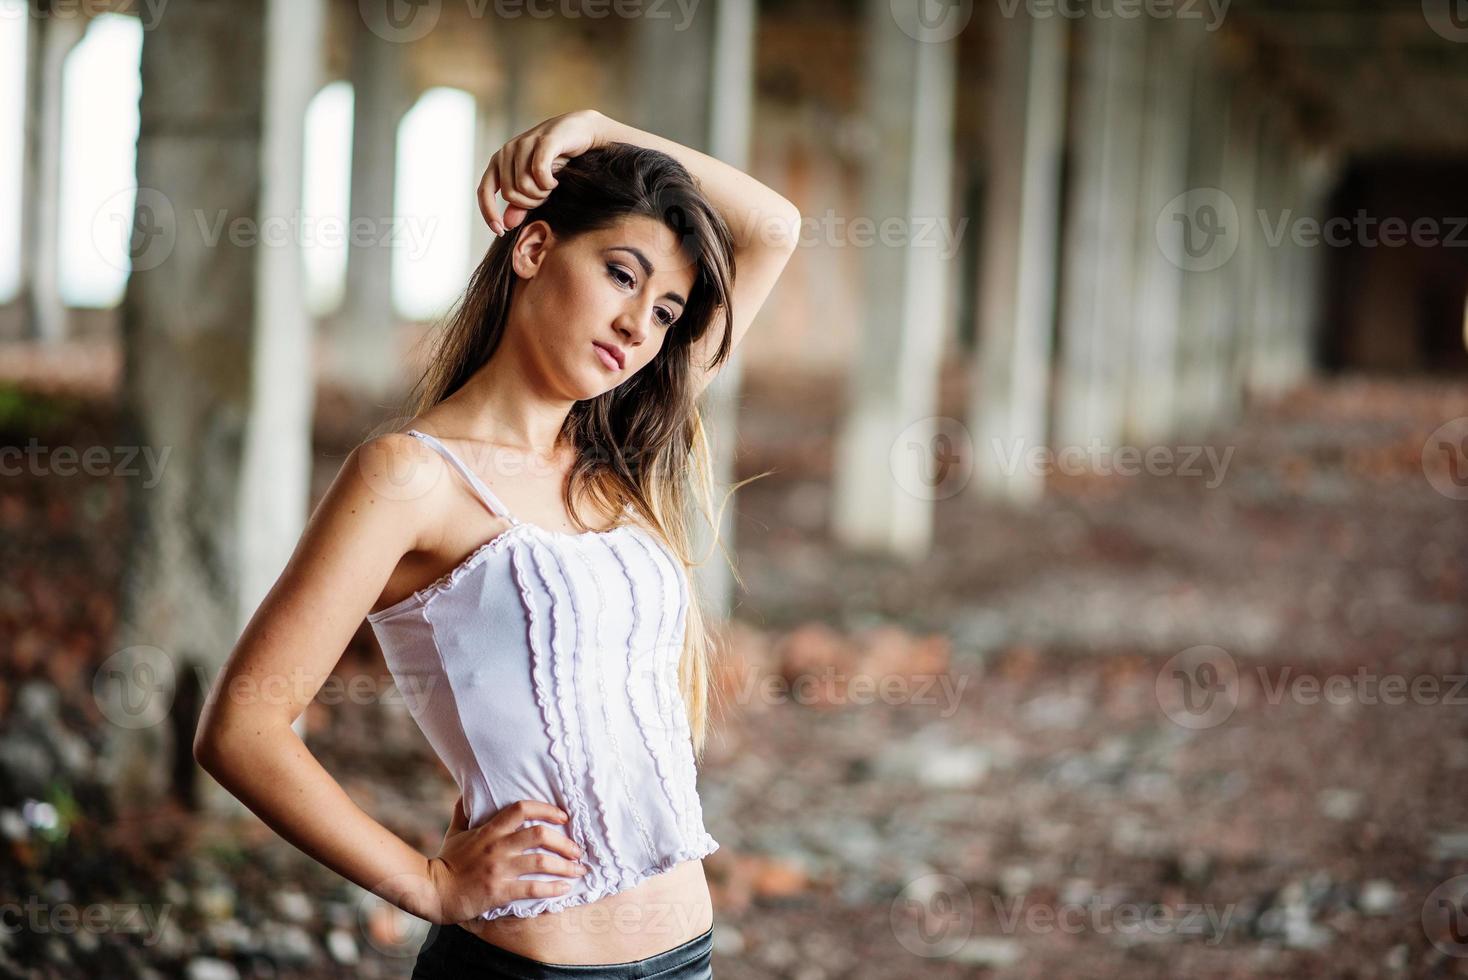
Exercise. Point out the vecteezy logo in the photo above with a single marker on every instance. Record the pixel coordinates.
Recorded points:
(1445, 459)
(399, 21)
(1199, 687)
(389, 929)
(1445, 916)
(932, 21)
(134, 688)
(932, 459)
(134, 231)
(933, 915)
(1447, 18)
(1198, 230)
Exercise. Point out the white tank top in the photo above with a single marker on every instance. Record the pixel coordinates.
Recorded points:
(545, 667)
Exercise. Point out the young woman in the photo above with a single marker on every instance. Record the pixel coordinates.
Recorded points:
(521, 552)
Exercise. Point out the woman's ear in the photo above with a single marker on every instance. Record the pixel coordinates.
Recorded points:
(532, 242)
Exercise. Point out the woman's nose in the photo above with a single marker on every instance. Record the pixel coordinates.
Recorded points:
(630, 326)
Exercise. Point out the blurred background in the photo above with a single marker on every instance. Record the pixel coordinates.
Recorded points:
(1104, 615)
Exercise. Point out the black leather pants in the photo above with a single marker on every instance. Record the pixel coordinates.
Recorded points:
(452, 951)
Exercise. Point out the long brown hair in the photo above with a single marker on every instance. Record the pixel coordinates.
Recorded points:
(644, 441)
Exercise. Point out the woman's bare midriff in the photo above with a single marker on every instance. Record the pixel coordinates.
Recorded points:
(662, 912)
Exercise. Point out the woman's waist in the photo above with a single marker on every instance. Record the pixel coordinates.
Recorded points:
(657, 914)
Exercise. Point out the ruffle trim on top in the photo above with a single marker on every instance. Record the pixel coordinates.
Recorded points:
(686, 761)
(631, 677)
(578, 739)
(553, 712)
(608, 886)
(608, 875)
(450, 578)
(658, 745)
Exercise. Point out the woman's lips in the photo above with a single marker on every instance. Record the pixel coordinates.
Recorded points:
(606, 357)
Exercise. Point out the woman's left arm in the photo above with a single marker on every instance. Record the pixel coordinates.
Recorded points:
(764, 225)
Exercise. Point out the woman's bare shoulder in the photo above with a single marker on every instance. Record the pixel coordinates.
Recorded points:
(388, 482)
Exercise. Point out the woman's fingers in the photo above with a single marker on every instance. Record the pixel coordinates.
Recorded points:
(514, 187)
(514, 214)
(523, 173)
(548, 864)
(488, 184)
(534, 174)
(548, 838)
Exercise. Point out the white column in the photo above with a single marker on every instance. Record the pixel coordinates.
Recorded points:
(880, 499)
(731, 108)
(1152, 396)
(275, 480)
(1019, 275)
(364, 337)
(710, 109)
(54, 37)
(1102, 228)
(500, 116)
(1316, 171)
(1240, 183)
(1202, 320)
(1261, 302)
(190, 320)
(1294, 184)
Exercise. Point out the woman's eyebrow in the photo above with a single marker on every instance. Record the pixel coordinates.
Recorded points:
(647, 269)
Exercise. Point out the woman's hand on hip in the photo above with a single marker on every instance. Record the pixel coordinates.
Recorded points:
(523, 170)
(480, 869)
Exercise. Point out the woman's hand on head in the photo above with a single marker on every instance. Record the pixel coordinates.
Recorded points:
(523, 170)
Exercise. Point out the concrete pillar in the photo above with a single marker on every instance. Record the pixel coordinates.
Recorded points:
(51, 39)
(1295, 183)
(30, 165)
(882, 497)
(275, 487)
(189, 323)
(1315, 171)
(1101, 233)
(1260, 307)
(1200, 363)
(364, 336)
(731, 111)
(710, 110)
(1240, 184)
(501, 116)
(1019, 277)
(1152, 396)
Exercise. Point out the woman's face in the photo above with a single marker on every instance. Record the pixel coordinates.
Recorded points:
(596, 309)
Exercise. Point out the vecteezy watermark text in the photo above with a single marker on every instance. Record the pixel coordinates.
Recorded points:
(148, 12)
(1099, 915)
(38, 460)
(830, 686)
(934, 916)
(1201, 687)
(1096, 458)
(98, 917)
(1212, 12)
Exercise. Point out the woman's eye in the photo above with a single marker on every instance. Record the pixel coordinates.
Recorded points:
(665, 316)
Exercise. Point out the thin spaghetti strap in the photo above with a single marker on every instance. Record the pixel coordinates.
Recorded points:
(486, 495)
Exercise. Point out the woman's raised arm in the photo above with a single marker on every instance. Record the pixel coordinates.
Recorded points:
(765, 226)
